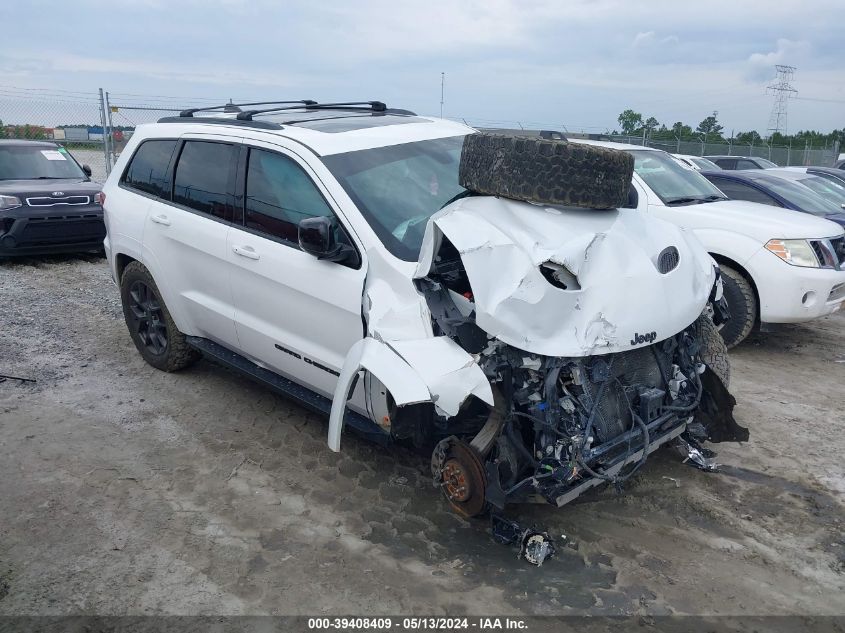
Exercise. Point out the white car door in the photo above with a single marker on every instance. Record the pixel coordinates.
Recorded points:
(186, 237)
(294, 314)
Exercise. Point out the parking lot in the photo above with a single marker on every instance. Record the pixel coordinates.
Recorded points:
(126, 490)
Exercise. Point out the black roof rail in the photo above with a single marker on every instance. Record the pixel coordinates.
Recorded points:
(361, 106)
(264, 125)
(236, 107)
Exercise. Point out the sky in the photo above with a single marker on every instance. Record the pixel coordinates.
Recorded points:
(571, 64)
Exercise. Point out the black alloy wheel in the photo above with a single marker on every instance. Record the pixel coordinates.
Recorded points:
(147, 318)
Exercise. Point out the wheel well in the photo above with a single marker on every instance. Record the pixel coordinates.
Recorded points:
(121, 261)
(727, 261)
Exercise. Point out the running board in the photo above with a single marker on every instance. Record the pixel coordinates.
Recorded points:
(302, 396)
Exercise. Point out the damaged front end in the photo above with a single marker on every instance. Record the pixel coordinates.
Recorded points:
(520, 377)
(563, 425)
(542, 350)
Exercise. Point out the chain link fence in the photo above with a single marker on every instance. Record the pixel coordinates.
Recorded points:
(74, 120)
(783, 155)
(93, 126)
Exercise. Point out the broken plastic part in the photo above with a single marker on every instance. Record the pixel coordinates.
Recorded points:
(696, 455)
(405, 385)
(534, 546)
(450, 373)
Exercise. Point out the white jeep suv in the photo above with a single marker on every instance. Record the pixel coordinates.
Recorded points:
(482, 296)
(778, 265)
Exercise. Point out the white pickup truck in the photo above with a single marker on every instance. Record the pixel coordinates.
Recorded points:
(778, 265)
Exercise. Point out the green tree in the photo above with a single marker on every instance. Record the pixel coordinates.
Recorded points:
(682, 131)
(710, 128)
(630, 121)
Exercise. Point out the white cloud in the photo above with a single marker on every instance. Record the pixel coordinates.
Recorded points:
(580, 61)
(760, 66)
(33, 63)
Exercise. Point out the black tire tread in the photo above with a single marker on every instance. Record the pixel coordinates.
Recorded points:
(179, 354)
(546, 171)
(714, 351)
(738, 291)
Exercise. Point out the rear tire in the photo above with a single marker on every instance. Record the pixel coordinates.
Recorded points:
(742, 304)
(151, 327)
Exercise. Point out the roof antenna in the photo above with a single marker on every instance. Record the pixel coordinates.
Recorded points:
(231, 107)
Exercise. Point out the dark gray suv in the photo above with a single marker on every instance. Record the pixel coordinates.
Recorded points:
(48, 202)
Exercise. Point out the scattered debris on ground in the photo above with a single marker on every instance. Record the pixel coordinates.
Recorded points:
(534, 546)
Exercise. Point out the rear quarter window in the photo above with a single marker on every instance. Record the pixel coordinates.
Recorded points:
(147, 169)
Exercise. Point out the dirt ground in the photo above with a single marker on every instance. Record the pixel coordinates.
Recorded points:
(125, 490)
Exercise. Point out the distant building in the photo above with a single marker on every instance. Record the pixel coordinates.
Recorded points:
(76, 133)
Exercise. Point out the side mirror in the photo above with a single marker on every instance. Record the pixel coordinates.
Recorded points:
(87, 170)
(317, 237)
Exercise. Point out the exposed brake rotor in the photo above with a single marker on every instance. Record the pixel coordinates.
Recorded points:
(459, 473)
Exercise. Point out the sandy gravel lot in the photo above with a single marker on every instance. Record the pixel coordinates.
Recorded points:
(125, 490)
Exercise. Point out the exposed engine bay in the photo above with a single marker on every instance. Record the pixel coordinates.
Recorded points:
(560, 425)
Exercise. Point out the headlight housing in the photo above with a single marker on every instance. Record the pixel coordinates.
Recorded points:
(9, 202)
(795, 252)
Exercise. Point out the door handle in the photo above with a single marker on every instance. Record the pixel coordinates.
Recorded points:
(160, 219)
(246, 251)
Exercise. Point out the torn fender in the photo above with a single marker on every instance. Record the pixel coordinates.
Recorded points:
(404, 384)
(414, 371)
(451, 374)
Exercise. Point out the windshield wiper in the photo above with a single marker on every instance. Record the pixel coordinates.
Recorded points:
(682, 200)
(692, 199)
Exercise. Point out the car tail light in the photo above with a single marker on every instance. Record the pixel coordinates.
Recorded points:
(100, 198)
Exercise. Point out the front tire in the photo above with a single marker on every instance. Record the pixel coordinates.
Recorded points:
(742, 303)
(151, 327)
(714, 351)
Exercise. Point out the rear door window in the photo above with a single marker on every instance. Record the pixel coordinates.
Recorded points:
(205, 177)
(147, 171)
(725, 163)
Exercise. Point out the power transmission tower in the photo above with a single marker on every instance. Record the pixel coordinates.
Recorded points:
(782, 90)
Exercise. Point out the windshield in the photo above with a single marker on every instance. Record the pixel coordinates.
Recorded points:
(765, 163)
(802, 197)
(706, 164)
(827, 189)
(673, 184)
(32, 162)
(398, 188)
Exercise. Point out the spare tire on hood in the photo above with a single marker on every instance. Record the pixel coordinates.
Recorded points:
(546, 171)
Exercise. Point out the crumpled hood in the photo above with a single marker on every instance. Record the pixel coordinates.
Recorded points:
(623, 300)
